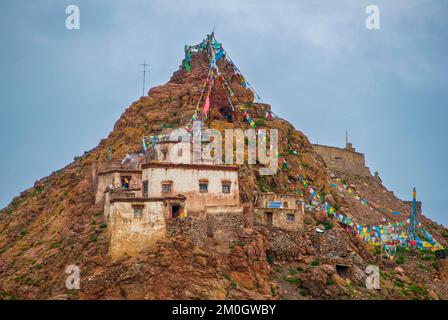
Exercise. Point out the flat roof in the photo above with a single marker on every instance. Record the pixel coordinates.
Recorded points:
(200, 166)
(337, 148)
(152, 199)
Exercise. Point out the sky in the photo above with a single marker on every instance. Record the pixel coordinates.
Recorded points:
(315, 62)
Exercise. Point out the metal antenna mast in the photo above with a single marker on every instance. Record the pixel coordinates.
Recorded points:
(144, 64)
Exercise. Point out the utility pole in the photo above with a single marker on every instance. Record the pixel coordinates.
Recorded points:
(346, 139)
(144, 64)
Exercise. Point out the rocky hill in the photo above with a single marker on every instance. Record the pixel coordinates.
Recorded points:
(55, 223)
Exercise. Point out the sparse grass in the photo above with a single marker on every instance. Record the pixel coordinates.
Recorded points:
(22, 233)
(377, 250)
(103, 225)
(315, 263)
(294, 271)
(6, 248)
(261, 186)
(291, 280)
(422, 266)
(419, 291)
(436, 265)
(304, 292)
(398, 283)
(428, 256)
(269, 257)
(330, 281)
(93, 237)
(98, 213)
(239, 243)
(400, 260)
(328, 225)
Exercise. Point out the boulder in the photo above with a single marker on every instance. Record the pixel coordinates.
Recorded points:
(314, 280)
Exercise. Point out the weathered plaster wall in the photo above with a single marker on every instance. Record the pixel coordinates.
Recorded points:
(181, 152)
(288, 200)
(343, 160)
(128, 234)
(280, 218)
(113, 177)
(185, 181)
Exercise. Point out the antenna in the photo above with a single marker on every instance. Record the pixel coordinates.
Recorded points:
(144, 64)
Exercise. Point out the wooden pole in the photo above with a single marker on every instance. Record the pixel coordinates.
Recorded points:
(381, 258)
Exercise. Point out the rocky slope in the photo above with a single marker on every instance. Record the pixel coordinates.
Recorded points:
(55, 224)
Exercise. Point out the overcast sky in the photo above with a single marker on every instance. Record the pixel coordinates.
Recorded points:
(61, 90)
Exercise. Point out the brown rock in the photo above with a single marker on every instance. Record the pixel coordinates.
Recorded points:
(328, 269)
(314, 280)
(443, 269)
(201, 260)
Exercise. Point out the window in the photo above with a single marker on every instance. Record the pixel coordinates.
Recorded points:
(125, 182)
(166, 187)
(138, 212)
(291, 217)
(145, 189)
(164, 153)
(225, 187)
(203, 186)
(285, 204)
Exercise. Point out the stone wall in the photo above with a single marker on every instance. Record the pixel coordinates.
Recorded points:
(343, 160)
(224, 226)
(287, 245)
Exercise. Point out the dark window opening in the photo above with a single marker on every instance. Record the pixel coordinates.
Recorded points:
(291, 217)
(145, 189)
(166, 187)
(125, 182)
(226, 188)
(203, 186)
(138, 212)
(227, 113)
(285, 204)
(268, 218)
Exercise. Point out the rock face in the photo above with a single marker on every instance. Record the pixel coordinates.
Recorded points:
(56, 223)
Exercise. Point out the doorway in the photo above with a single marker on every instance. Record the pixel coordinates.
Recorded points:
(268, 218)
(175, 211)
